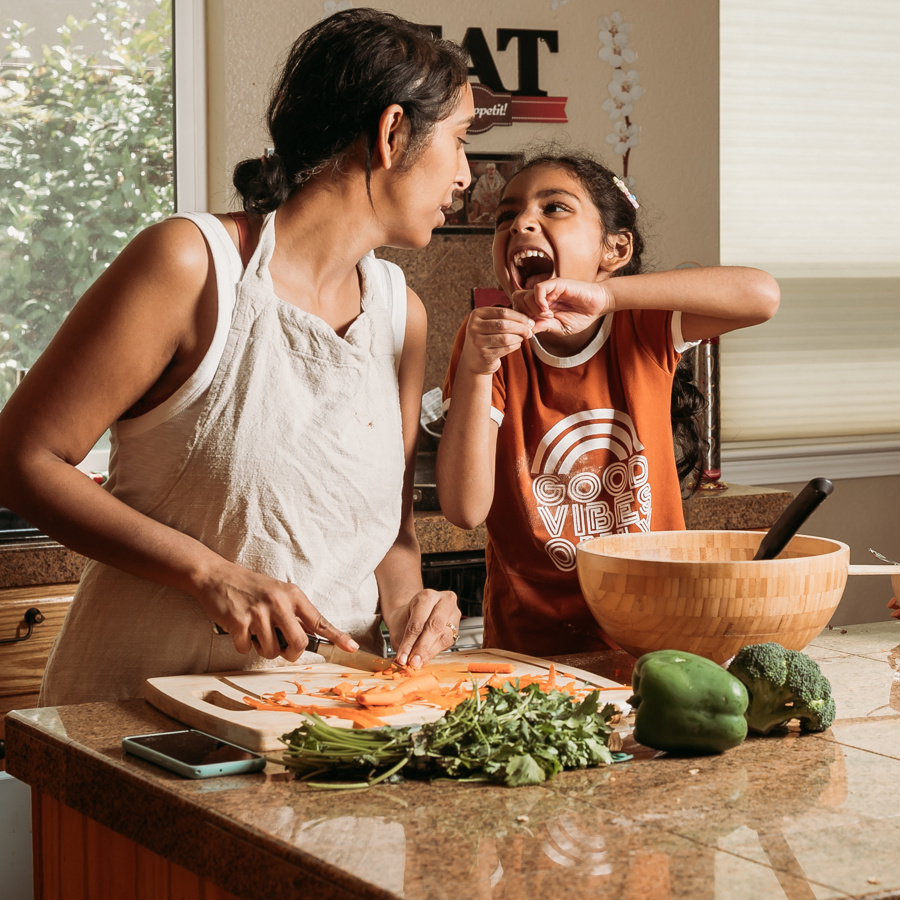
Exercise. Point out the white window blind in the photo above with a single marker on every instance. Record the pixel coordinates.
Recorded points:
(810, 191)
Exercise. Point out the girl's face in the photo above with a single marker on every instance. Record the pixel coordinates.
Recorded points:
(546, 227)
(420, 195)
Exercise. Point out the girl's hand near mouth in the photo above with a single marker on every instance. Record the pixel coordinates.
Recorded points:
(492, 333)
(565, 307)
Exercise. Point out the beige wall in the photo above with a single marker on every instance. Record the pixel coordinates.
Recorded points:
(675, 166)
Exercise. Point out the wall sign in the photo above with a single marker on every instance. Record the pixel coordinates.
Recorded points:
(503, 109)
(495, 104)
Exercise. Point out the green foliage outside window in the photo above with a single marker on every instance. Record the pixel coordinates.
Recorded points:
(86, 161)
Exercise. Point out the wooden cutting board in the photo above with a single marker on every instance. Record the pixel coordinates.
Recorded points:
(213, 702)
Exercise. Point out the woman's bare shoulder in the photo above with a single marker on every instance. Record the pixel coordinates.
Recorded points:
(175, 243)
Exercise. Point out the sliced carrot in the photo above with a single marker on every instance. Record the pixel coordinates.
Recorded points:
(343, 690)
(361, 717)
(441, 699)
(260, 704)
(486, 668)
(402, 693)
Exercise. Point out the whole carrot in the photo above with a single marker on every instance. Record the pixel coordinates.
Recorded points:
(488, 668)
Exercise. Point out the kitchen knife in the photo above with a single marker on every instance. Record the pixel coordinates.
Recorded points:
(789, 522)
(359, 659)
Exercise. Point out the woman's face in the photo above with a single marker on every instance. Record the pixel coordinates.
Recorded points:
(418, 197)
(546, 227)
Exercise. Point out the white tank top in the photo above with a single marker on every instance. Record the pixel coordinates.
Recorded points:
(283, 452)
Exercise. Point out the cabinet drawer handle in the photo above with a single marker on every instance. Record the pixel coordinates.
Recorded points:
(33, 616)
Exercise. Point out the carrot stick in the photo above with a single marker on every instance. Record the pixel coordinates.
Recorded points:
(343, 690)
(551, 677)
(487, 668)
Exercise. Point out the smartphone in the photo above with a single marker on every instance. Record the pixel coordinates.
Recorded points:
(193, 754)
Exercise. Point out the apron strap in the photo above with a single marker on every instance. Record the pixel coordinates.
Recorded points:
(243, 227)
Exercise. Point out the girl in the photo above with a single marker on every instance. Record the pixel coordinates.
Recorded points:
(262, 378)
(558, 424)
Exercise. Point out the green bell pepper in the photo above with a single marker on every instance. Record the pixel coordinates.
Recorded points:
(687, 703)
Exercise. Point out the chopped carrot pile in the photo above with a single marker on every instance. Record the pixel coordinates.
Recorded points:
(407, 689)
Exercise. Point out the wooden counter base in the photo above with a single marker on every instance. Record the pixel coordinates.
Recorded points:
(76, 858)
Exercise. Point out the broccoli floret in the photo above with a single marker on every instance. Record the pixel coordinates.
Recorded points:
(783, 685)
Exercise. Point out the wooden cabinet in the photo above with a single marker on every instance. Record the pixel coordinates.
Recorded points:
(22, 662)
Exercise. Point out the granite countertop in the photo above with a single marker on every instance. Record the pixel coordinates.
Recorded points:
(796, 816)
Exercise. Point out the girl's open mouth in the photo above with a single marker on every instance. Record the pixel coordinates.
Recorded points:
(531, 267)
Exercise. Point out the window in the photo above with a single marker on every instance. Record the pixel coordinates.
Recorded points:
(810, 187)
(86, 154)
(105, 133)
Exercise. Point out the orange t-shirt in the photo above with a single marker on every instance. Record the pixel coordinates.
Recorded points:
(584, 448)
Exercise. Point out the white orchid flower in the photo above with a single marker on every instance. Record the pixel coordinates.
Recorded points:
(613, 24)
(623, 138)
(617, 56)
(614, 38)
(616, 108)
(625, 87)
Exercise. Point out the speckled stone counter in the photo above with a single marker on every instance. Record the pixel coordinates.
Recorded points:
(737, 507)
(813, 816)
(38, 562)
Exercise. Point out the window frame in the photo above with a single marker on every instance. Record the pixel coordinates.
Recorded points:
(189, 84)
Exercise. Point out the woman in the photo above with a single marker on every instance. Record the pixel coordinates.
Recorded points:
(261, 378)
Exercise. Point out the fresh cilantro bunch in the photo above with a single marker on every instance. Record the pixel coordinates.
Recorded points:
(510, 737)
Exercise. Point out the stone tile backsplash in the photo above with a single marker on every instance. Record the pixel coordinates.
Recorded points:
(443, 275)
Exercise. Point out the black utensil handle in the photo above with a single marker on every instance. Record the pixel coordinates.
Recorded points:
(282, 643)
(789, 522)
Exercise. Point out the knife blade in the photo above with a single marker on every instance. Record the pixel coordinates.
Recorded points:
(359, 659)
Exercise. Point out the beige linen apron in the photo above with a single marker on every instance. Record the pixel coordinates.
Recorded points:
(292, 465)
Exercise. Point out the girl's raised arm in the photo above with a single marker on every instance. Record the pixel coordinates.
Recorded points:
(713, 300)
(467, 449)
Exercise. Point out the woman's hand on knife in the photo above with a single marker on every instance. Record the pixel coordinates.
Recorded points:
(272, 616)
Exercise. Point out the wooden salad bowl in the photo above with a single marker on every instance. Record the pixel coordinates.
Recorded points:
(702, 591)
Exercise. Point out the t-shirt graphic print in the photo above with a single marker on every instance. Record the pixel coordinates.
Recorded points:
(575, 503)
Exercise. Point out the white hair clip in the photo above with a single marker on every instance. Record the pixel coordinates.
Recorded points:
(624, 189)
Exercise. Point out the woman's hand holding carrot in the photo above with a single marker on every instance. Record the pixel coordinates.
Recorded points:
(424, 627)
